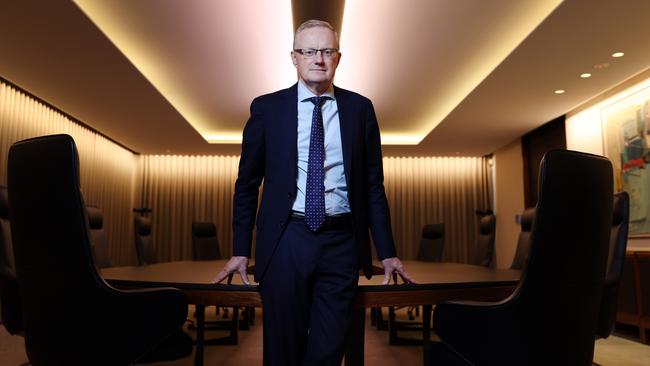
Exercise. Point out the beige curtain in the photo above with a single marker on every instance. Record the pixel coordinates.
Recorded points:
(182, 189)
(107, 170)
(427, 190)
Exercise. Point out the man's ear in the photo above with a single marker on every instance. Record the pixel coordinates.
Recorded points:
(293, 58)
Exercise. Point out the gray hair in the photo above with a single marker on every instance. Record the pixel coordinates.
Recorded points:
(313, 23)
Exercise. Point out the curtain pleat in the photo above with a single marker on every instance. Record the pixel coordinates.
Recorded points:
(427, 190)
(183, 189)
(106, 169)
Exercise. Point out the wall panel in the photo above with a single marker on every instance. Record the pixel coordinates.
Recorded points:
(106, 169)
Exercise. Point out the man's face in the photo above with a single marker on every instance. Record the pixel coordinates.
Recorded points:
(318, 69)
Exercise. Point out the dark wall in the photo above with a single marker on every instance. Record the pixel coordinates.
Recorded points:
(533, 147)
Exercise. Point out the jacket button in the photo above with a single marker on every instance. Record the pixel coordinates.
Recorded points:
(289, 194)
(281, 225)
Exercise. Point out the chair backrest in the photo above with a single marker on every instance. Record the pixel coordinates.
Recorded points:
(558, 299)
(10, 312)
(71, 316)
(144, 246)
(98, 239)
(523, 242)
(432, 243)
(485, 240)
(54, 266)
(205, 245)
(615, 261)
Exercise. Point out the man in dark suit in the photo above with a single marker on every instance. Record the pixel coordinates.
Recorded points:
(317, 149)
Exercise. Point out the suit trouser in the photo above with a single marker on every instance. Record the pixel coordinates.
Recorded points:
(307, 293)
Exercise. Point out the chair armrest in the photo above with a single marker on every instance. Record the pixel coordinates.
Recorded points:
(140, 318)
(469, 327)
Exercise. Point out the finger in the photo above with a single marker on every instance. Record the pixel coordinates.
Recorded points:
(386, 278)
(244, 276)
(219, 277)
(406, 278)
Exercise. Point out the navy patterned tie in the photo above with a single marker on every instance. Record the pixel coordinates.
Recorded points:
(315, 192)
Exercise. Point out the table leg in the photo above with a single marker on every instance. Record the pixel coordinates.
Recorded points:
(354, 346)
(200, 329)
(426, 333)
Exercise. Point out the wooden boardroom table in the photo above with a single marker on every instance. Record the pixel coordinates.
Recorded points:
(437, 282)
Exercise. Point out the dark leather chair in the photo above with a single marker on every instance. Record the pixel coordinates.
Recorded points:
(485, 241)
(144, 245)
(523, 242)
(11, 314)
(71, 315)
(205, 245)
(551, 318)
(98, 240)
(615, 261)
(432, 243)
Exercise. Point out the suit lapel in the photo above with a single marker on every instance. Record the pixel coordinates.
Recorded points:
(347, 129)
(289, 117)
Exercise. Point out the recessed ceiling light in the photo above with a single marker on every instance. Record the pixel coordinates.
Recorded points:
(618, 54)
(585, 75)
(559, 91)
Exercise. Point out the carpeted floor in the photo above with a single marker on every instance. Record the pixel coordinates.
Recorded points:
(613, 351)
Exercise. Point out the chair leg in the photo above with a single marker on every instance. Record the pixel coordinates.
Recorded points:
(233, 328)
(380, 322)
(244, 324)
(426, 333)
(232, 338)
(200, 328)
(393, 326)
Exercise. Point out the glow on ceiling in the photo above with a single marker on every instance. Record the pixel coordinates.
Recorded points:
(247, 35)
(386, 41)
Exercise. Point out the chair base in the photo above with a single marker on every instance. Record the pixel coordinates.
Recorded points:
(393, 326)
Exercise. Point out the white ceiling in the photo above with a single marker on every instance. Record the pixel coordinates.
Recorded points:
(460, 77)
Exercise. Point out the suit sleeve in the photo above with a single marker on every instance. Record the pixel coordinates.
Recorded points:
(249, 179)
(378, 211)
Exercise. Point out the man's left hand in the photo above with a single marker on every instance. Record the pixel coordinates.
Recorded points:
(394, 265)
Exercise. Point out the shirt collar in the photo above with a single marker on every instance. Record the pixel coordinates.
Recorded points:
(304, 93)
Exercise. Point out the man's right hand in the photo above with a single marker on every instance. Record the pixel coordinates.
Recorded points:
(235, 264)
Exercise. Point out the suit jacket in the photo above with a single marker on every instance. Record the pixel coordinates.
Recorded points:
(270, 154)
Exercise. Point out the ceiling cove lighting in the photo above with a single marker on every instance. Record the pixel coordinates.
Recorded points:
(132, 36)
(618, 54)
(224, 138)
(559, 91)
(585, 75)
(371, 64)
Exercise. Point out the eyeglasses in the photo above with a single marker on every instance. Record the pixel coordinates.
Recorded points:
(311, 52)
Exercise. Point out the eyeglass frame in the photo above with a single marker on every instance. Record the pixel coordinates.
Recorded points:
(302, 51)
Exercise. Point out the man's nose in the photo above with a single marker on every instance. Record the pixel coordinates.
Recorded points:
(318, 57)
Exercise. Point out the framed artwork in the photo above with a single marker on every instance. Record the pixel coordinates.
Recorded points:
(626, 142)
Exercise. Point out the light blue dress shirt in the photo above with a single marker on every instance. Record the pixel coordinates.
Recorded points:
(336, 190)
